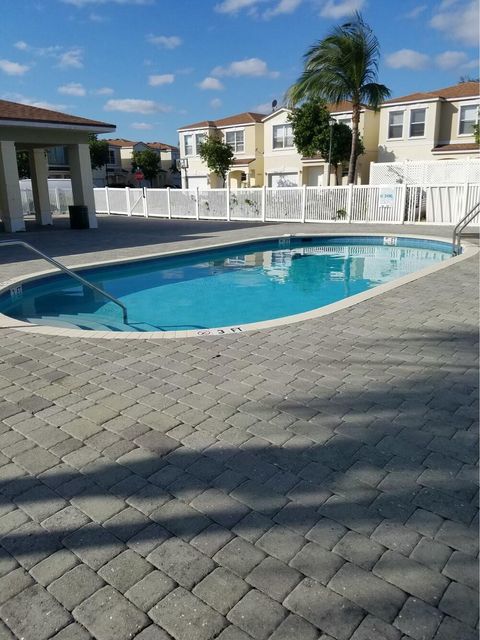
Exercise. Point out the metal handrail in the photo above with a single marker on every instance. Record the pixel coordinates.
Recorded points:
(459, 228)
(68, 271)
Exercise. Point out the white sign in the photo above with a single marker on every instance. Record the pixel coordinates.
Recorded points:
(386, 197)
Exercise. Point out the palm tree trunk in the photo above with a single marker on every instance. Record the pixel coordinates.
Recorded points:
(353, 153)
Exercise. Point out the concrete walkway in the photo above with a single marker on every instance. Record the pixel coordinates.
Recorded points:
(312, 481)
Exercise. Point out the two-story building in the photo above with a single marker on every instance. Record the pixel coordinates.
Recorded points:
(430, 125)
(284, 166)
(243, 132)
(118, 170)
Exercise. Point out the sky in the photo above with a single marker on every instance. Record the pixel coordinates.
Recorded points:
(153, 66)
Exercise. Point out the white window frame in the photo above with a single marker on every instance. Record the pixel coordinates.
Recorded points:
(462, 107)
(284, 146)
(112, 154)
(390, 113)
(410, 123)
(344, 120)
(235, 145)
(185, 136)
(196, 136)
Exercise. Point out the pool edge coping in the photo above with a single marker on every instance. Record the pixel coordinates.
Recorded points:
(469, 250)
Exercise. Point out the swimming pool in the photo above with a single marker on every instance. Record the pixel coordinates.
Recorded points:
(232, 286)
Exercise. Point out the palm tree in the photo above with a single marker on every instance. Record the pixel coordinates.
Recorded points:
(343, 66)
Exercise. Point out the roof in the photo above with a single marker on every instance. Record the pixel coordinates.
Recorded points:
(120, 142)
(162, 146)
(28, 113)
(247, 117)
(344, 105)
(458, 146)
(242, 161)
(460, 90)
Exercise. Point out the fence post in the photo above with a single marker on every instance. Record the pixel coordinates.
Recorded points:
(228, 201)
(349, 202)
(403, 201)
(57, 200)
(107, 200)
(127, 196)
(169, 204)
(466, 188)
(197, 204)
(145, 202)
(304, 202)
(264, 202)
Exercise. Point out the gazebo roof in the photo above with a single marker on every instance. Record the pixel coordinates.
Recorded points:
(15, 113)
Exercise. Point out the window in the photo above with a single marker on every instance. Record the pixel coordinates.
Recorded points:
(57, 156)
(417, 123)
(188, 144)
(282, 136)
(235, 140)
(347, 121)
(395, 124)
(468, 118)
(199, 138)
(111, 156)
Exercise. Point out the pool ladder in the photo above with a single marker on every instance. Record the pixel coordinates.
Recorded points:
(459, 229)
(69, 272)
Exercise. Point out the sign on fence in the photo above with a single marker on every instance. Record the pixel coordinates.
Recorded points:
(386, 197)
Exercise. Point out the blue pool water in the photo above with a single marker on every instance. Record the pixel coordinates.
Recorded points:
(217, 288)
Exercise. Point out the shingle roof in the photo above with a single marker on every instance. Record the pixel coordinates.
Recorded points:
(27, 113)
(163, 146)
(247, 117)
(460, 90)
(457, 146)
(120, 142)
(345, 105)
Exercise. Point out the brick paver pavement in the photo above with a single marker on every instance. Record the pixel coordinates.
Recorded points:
(312, 481)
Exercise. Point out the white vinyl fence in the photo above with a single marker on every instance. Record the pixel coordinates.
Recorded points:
(425, 172)
(396, 204)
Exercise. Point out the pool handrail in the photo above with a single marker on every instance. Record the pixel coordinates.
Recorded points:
(460, 227)
(69, 272)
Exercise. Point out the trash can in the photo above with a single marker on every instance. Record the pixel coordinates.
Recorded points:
(78, 216)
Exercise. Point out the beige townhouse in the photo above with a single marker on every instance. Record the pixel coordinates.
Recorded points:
(243, 132)
(284, 166)
(118, 170)
(430, 125)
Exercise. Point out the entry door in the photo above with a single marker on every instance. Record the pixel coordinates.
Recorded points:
(315, 177)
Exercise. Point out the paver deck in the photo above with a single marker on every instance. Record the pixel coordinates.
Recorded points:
(311, 481)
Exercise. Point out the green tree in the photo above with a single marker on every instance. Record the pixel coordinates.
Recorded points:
(476, 132)
(343, 66)
(217, 155)
(98, 151)
(23, 164)
(148, 162)
(315, 132)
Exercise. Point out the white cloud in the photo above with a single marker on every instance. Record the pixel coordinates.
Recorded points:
(407, 59)
(234, 6)
(248, 67)
(167, 42)
(72, 58)
(34, 102)
(72, 89)
(216, 103)
(21, 45)
(340, 8)
(264, 107)
(209, 83)
(158, 80)
(415, 12)
(458, 21)
(283, 7)
(141, 126)
(13, 68)
(103, 91)
(451, 59)
(133, 105)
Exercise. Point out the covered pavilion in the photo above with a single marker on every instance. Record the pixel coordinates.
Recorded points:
(33, 129)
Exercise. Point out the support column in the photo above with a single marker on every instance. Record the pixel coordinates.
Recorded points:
(10, 197)
(82, 181)
(41, 199)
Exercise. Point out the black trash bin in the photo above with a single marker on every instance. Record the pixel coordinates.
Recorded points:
(78, 216)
